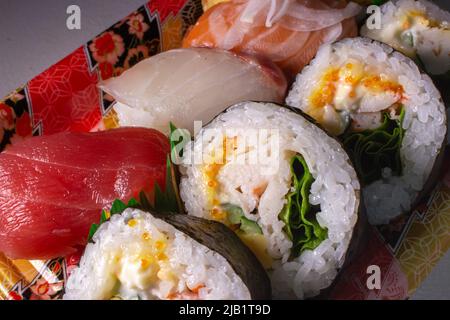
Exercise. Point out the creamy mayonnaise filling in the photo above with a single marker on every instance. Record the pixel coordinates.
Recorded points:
(353, 94)
(143, 269)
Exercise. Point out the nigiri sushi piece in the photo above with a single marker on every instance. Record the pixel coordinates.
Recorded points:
(287, 32)
(54, 187)
(186, 85)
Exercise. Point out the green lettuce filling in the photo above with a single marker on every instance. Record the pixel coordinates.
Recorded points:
(373, 150)
(298, 215)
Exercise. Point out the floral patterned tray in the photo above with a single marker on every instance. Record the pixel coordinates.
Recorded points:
(66, 97)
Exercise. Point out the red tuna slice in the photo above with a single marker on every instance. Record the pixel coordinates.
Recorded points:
(54, 187)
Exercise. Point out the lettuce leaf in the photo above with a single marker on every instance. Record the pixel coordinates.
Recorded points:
(373, 150)
(301, 225)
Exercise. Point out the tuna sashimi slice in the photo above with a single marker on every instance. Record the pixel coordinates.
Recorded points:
(54, 187)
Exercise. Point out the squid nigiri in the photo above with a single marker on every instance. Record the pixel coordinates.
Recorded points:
(54, 187)
(288, 32)
(186, 85)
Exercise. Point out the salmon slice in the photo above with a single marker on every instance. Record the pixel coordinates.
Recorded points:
(54, 187)
(291, 49)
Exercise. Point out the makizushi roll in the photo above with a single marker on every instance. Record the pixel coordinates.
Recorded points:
(138, 255)
(389, 116)
(419, 29)
(283, 185)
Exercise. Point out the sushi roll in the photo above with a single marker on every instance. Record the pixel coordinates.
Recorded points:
(389, 116)
(420, 30)
(283, 185)
(139, 255)
(287, 32)
(186, 85)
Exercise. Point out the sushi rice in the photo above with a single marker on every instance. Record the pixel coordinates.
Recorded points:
(138, 256)
(335, 190)
(418, 29)
(424, 119)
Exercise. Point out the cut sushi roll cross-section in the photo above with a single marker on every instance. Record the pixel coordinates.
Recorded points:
(418, 29)
(283, 185)
(138, 255)
(388, 115)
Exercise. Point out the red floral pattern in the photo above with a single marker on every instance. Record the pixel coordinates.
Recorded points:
(135, 55)
(43, 290)
(106, 70)
(73, 260)
(13, 295)
(352, 284)
(14, 118)
(6, 120)
(107, 47)
(7, 117)
(23, 126)
(65, 97)
(137, 25)
(166, 7)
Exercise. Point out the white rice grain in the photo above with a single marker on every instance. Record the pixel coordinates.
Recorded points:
(424, 121)
(335, 189)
